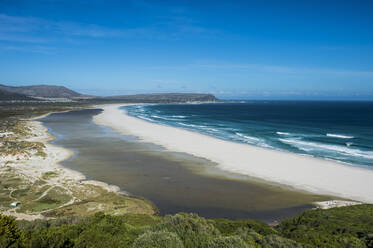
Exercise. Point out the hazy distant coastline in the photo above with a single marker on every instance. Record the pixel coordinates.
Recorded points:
(53, 93)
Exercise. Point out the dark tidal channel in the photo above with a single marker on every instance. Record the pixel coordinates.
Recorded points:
(173, 182)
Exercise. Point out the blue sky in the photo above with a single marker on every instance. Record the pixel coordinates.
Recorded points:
(234, 49)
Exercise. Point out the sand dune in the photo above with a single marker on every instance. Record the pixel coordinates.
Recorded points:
(300, 172)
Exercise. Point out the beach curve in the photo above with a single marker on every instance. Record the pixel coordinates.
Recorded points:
(300, 172)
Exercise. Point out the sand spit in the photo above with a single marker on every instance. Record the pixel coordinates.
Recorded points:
(31, 169)
(300, 172)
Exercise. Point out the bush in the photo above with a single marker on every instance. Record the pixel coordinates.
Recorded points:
(42, 223)
(161, 239)
(352, 242)
(54, 237)
(251, 237)
(275, 241)
(100, 231)
(332, 228)
(227, 242)
(193, 230)
(349, 227)
(106, 231)
(10, 235)
(229, 227)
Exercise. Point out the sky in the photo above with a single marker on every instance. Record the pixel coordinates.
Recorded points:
(301, 49)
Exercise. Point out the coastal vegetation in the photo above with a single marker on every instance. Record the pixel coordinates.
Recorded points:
(41, 91)
(31, 177)
(349, 227)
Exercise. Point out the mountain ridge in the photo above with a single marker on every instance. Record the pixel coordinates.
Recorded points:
(165, 97)
(41, 90)
(10, 96)
(45, 92)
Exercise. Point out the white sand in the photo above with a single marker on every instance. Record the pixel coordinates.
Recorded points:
(33, 167)
(301, 172)
(335, 204)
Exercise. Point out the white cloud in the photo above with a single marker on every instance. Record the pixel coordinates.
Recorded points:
(38, 30)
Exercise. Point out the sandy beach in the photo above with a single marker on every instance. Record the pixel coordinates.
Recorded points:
(32, 170)
(300, 172)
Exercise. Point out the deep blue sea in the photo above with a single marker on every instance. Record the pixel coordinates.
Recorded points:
(341, 131)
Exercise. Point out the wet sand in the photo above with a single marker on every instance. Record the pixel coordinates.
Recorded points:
(173, 182)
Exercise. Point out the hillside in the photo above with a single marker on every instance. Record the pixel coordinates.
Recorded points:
(11, 96)
(45, 91)
(51, 92)
(164, 98)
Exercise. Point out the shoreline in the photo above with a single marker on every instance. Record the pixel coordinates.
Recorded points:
(299, 172)
(78, 176)
(149, 171)
(33, 168)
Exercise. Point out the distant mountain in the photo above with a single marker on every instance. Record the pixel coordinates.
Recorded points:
(10, 96)
(164, 98)
(60, 93)
(43, 91)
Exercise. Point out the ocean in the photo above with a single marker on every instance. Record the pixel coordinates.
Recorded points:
(339, 131)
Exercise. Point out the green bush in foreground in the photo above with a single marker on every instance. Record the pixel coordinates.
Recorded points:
(347, 227)
(193, 230)
(275, 241)
(338, 227)
(10, 235)
(228, 242)
(251, 237)
(229, 227)
(159, 239)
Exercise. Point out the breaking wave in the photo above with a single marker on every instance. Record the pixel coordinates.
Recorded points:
(283, 133)
(339, 136)
(309, 146)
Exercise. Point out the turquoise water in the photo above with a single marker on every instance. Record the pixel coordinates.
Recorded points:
(340, 131)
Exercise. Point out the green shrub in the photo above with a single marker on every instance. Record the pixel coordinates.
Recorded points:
(106, 231)
(160, 239)
(100, 231)
(229, 227)
(46, 223)
(275, 241)
(10, 235)
(54, 237)
(249, 236)
(369, 240)
(140, 220)
(227, 242)
(332, 228)
(351, 242)
(193, 230)
(349, 227)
